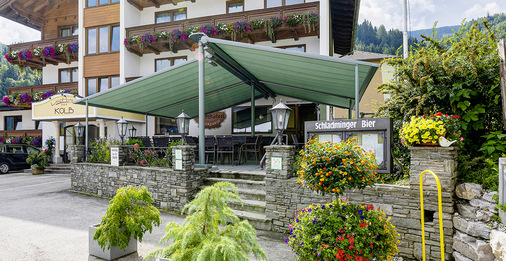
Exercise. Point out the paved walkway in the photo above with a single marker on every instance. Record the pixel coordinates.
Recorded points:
(40, 219)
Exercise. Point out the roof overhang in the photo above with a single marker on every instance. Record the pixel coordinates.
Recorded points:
(344, 18)
(271, 71)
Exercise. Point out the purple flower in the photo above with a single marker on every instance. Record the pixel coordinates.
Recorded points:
(360, 212)
(309, 210)
(330, 206)
(315, 220)
(323, 206)
(362, 217)
(287, 239)
(5, 100)
(344, 207)
(301, 244)
(297, 220)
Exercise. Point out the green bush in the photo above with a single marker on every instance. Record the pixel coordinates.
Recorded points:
(129, 213)
(38, 160)
(211, 231)
(101, 150)
(342, 231)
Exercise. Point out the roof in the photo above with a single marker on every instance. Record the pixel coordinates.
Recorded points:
(271, 71)
(367, 56)
(344, 16)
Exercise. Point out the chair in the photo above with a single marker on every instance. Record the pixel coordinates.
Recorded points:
(252, 145)
(161, 141)
(146, 141)
(210, 148)
(193, 141)
(298, 145)
(225, 145)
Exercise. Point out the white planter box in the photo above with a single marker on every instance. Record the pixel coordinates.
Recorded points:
(113, 252)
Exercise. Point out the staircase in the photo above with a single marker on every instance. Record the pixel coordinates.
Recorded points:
(60, 168)
(251, 187)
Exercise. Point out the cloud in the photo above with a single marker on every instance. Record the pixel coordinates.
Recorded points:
(13, 32)
(480, 10)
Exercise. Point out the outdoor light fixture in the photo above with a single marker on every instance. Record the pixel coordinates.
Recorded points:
(122, 128)
(183, 124)
(196, 36)
(133, 132)
(280, 117)
(79, 129)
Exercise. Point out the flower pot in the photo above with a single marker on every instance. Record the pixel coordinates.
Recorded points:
(113, 252)
(37, 171)
(430, 144)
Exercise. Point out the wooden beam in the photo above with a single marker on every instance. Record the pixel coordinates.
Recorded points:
(251, 39)
(157, 5)
(295, 35)
(501, 45)
(135, 5)
(134, 52)
(40, 6)
(28, 3)
(154, 49)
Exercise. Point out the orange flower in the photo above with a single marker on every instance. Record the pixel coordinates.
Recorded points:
(349, 178)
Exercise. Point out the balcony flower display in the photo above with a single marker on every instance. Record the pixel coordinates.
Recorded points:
(426, 130)
(41, 53)
(308, 20)
(16, 99)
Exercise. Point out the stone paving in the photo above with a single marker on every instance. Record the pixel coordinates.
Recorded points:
(40, 219)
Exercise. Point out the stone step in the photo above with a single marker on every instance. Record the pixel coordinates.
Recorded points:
(257, 220)
(248, 194)
(257, 175)
(253, 206)
(239, 183)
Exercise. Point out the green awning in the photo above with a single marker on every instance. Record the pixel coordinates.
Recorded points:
(272, 71)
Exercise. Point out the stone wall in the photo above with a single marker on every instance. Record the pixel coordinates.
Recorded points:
(284, 197)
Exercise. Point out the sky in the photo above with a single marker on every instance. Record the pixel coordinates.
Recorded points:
(423, 14)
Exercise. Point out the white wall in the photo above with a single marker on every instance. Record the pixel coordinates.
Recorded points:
(26, 115)
(50, 72)
(130, 63)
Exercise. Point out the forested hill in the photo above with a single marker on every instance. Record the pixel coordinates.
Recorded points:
(10, 75)
(378, 40)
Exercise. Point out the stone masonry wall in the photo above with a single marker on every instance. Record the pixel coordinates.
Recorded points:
(171, 189)
(284, 197)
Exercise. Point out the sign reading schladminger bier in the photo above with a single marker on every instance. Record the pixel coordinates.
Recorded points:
(57, 107)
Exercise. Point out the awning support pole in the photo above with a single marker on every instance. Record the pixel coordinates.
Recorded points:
(86, 135)
(350, 113)
(357, 100)
(252, 110)
(202, 144)
(146, 123)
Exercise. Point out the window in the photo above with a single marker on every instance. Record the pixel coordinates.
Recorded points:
(164, 63)
(69, 31)
(106, 38)
(92, 3)
(68, 75)
(235, 6)
(275, 3)
(299, 48)
(169, 16)
(163, 125)
(241, 119)
(95, 85)
(13, 122)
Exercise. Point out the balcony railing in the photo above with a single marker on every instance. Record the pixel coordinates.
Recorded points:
(281, 31)
(30, 53)
(55, 87)
(24, 96)
(20, 133)
(141, 4)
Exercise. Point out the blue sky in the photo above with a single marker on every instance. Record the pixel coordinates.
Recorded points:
(423, 14)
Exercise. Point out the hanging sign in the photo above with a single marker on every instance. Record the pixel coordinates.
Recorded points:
(213, 120)
(57, 107)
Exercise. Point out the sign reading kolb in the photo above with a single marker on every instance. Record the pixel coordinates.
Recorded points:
(59, 106)
(372, 134)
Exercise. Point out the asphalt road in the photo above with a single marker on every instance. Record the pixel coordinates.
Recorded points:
(40, 219)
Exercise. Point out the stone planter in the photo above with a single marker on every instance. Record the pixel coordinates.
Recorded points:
(37, 171)
(113, 252)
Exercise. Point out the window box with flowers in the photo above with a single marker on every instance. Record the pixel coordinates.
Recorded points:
(432, 130)
(26, 99)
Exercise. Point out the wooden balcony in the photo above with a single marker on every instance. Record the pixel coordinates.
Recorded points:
(257, 35)
(20, 133)
(141, 4)
(39, 63)
(71, 86)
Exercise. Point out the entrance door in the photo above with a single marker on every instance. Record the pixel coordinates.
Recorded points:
(300, 113)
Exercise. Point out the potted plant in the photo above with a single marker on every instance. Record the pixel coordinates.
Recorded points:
(427, 130)
(211, 231)
(129, 215)
(38, 161)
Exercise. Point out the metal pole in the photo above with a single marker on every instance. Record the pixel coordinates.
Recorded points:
(252, 110)
(405, 33)
(357, 100)
(146, 123)
(202, 124)
(86, 135)
(350, 113)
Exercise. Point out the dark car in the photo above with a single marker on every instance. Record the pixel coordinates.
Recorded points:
(13, 156)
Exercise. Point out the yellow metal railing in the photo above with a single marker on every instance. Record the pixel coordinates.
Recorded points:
(440, 206)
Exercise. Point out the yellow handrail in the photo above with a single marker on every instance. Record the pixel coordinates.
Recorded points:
(440, 204)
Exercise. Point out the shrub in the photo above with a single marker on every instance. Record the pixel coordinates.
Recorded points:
(333, 167)
(101, 150)
(38, 160)
(211, 231)
(342, 231)
(129, 213)
(50, 147)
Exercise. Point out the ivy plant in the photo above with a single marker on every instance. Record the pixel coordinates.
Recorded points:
(129, 214)
(211, 231)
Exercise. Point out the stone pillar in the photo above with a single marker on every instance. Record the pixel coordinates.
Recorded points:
(442, 161)
(56, 154)
(76, 153)
(183, 158)
(101, 128)
(123, 154)
(279, 161)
